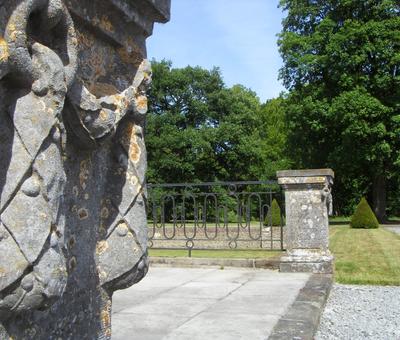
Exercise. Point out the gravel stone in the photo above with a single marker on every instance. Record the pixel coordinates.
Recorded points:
(361, 312)
(394, 229)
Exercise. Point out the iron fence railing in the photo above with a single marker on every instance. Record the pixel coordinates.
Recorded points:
(214, 215)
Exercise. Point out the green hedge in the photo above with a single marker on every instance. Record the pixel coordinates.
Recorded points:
(364, 217)
(274, 214)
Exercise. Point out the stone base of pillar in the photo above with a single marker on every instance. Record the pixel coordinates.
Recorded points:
(307, 261)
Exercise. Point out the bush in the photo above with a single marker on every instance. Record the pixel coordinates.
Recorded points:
(364, 217)
(274, 214)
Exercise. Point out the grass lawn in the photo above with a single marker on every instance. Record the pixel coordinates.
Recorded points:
(337, 220)
(362, 256)
(231, 254)
(365, 256)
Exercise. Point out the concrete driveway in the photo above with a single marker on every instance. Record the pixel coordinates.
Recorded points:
(180, 303)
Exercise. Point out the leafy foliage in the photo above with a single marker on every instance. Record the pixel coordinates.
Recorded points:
(200, 130)
(342, 69)
(364, 217)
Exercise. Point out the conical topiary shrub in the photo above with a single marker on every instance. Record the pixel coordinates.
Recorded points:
(274, 214)
(364, 217)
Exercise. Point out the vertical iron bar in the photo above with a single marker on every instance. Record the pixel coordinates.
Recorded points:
(270, 220)
(283, 206)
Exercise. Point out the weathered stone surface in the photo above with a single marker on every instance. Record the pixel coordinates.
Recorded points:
(29, 220)
(307, 203)
(16, 263)
(18, 164)
(302, 318)
(73, 81)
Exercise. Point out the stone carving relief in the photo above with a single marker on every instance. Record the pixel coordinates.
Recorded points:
(326, 195)
(72, 170)
(32, 267)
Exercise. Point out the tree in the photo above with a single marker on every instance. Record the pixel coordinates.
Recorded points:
(180, 134)
(342, 70)
(200, 130)
(273, 137)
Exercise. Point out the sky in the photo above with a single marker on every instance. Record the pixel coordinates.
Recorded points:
(238, 36)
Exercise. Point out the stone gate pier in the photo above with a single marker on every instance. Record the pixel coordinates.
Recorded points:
(308, 203)
(73, 81)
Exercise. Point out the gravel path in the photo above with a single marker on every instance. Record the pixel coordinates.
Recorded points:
(361, 312)
(395, 229)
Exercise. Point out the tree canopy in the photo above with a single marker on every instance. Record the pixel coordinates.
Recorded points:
(342, 109)
(342, 70)
(200, 130)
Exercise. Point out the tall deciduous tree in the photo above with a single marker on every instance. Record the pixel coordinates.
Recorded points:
(200, 130)
(342, 70)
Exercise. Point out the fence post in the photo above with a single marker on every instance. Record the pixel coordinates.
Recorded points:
(307, 205)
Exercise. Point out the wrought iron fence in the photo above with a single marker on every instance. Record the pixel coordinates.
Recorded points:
(214, 215)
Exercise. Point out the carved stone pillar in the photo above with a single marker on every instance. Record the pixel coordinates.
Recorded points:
(307, 204)
(73, 77)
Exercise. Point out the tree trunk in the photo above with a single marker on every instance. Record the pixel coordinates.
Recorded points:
(379, 198)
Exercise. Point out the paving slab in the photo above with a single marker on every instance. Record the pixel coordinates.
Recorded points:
(204, 303)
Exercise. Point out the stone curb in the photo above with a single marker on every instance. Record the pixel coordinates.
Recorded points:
(192, 262)
(302, 319)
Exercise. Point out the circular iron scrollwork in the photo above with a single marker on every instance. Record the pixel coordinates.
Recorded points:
(190, 244)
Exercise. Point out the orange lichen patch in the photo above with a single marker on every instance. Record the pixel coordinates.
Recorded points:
(84, 171)
(101, 247)
(105, 317)
(129, 141)
(103, 115)
(12, 31)
(84, 40)
(102, 274)
(83, 214)
(141, 103)
(74, 41)
(105, 213)
(106, 24)
(4, 54)
(43, 104)
(71, 242)
(134, 152)
(132, 179)
(131, 53)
